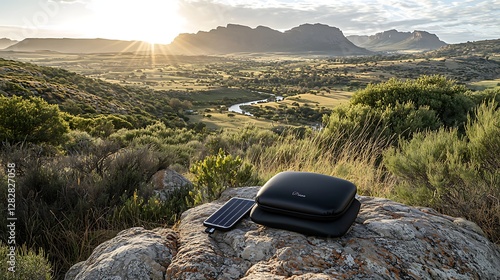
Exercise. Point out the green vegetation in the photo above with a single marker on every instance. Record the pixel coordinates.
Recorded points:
(32, 120)
(88, 173)
(216, 173)
(69, 200)
(459, 175)
(86, 97)
(404, 107)
(29, 264)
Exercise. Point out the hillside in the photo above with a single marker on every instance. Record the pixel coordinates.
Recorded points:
(393, 40)
(4, 43)
(67, 45)
(80, 95)
(484, 48)
(237, 38)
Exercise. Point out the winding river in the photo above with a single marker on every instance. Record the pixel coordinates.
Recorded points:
(236, 108)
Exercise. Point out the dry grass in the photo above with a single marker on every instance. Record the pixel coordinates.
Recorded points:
(327, 100)
(219, 121)
(354, 160)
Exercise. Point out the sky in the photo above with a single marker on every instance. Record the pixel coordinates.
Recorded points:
(159, 21)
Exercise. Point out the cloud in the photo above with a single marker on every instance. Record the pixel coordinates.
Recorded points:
(455, 19)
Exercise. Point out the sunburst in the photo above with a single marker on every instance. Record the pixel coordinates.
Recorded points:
(153, 21)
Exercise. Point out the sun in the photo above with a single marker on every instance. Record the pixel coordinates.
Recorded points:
(153, 21)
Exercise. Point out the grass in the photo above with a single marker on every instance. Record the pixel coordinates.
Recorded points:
(327, 100)
(221, 94)
(482, 85)
(354, 159)
(219, 121)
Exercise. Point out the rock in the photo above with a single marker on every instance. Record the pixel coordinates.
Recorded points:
(134, 253)
(166, 181)
(388, 240)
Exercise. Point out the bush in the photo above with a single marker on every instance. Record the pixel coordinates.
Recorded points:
(66, 204)
(29, 264)
(459, 176)
(216, 173)
(30, 120)
(484, 137)
(150, 212)
(436, 93)
(402, 108)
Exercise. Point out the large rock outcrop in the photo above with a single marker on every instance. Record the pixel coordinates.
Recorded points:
(389, 240)
(135, 253)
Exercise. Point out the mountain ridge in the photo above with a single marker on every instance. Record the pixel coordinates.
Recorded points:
(235, 38)
(239, 38)
(77, 45)
(393, 40)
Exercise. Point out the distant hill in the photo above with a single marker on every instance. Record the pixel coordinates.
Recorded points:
(4, 43)
(393, 40)
(238, 38)
(67, 45)
(482, 48)
(80, 95)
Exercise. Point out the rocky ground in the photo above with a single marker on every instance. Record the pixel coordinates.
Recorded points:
(388, 240)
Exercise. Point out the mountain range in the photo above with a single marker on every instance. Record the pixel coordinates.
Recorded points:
(233, 38)
(393, 40)
(239, 38)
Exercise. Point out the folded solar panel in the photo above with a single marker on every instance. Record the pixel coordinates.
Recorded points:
(228, 214)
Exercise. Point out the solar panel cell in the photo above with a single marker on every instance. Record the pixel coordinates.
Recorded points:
(229, 214)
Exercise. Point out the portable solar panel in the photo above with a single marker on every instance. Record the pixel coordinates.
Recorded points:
(228, 214)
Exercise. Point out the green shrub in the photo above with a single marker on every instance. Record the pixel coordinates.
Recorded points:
(459, 176)
(30, 120)
(430, 164)
(65, 203)
(128, 170)
(484, 137)
(78, 141)
(150, 212)
(401, 108)
(485, 96)
(28, 264)
(216, 173)
(436, 93)
(440, 94)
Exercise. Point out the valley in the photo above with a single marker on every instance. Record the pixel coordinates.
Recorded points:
(214, 83)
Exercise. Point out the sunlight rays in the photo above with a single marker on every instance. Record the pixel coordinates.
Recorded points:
(153, 21)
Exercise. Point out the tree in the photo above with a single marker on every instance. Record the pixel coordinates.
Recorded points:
(31, 120)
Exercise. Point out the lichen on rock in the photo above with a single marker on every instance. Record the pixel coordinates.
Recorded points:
(134, 253)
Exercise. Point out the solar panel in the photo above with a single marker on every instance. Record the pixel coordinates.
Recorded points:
(228, 214)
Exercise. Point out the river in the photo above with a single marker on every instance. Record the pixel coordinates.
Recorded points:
(236, 108)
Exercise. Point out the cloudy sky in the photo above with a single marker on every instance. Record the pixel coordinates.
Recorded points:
(160, 21)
